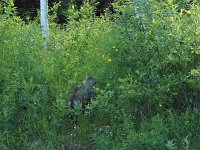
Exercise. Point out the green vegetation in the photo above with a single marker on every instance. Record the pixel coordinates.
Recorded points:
(148, 79)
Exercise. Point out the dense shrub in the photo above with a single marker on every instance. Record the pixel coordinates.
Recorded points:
(147, 68)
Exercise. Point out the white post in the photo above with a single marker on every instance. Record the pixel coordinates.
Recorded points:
(44, 20)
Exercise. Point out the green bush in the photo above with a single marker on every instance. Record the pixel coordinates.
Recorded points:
(147, 68)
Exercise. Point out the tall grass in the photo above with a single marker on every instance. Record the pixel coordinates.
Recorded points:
(147, 80)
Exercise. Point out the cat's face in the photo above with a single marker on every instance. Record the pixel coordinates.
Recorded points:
(90, 81)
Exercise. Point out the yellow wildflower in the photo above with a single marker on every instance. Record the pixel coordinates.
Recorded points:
(109, 59)
(154, 21)
(188, 12)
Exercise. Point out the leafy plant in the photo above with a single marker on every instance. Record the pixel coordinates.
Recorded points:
(147, 92)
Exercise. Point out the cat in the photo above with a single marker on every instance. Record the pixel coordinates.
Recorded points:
(82, 94)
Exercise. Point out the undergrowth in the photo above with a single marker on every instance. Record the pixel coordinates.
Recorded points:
(148, 79)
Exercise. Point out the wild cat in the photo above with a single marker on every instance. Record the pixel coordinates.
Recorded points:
(83, 93)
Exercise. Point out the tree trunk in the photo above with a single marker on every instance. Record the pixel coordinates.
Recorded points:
(139, 9)
(44, 20)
